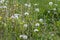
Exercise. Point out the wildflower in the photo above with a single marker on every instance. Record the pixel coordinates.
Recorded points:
(35, 4)
(28, 5)
(40, 20)
(37, 24)
(1, 1)
(50, 3)
(37, 9)
(26, 13)
(15, 16)
(48, 11)
(3, 6)
(55, 4)
(25, 25)
(36, 30)
(54, 9)
(23, 36)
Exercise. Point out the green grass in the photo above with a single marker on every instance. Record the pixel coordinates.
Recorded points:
(12, 28)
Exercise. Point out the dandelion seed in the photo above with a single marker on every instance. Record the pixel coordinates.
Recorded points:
(25, 25)
(37, 24)
(23, 36)
(37, 9)
(41, 20)
(50, 3)
(36, 30)
(26, 13)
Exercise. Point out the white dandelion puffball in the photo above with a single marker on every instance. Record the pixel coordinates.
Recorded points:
(27, 5)
(1, 1)
(36, 30)
(26, 13)
(25, 25)
(37, 24)
(41, 20)
(50, 3)
(37, 9)
(23, 36)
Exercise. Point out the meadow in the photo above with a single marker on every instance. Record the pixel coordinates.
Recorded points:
(29, 19)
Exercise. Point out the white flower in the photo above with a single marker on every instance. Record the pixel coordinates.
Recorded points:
(50, 3)
(3, 6)
(23, 36)
(37, 9)
(48, 11)
(1, 1)
(15, 16)
(36, 30)
(37, 24)
(26, 13)
(28, 5)
(35, 4)
(56, 4)
(41, 20)
(54, 9)
(25, 25)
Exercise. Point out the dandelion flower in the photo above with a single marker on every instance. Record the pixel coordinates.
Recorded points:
(50, 3)
(25, 25)
(26, 13)
(37, 9)
(41, 20)
(23, 36)
(37, 24)
(36, 30)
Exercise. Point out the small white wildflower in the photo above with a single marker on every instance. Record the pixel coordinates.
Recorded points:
(37, 9)
(28, 5)
(54, 9)
(25, 25)
(48, 11)
(23, 36)
(15, 16)
(35, 4)
(1, 1)
(3, 6)
(36, 30)
(26, 13)
(55, 4)
(50, 3)
(41, 20)
(37, 24)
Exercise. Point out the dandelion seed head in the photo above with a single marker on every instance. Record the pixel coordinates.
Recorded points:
(26, 13)
(37, 24)
(37, 9)
(25, 25)
(23, 36)
(41, 20)
(50, 3)
(36, 30)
